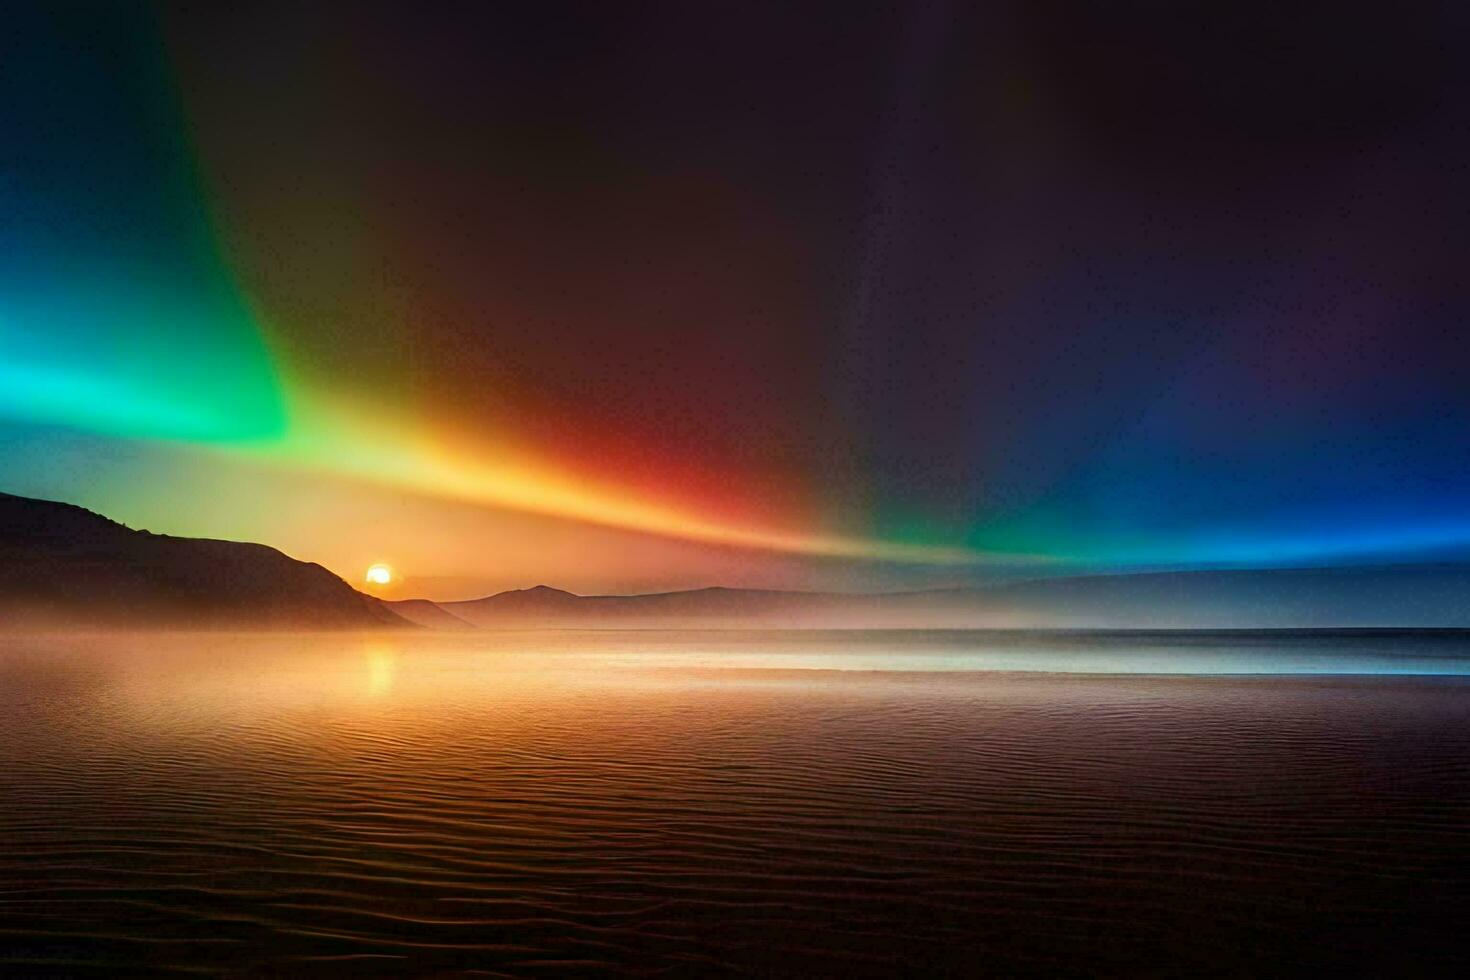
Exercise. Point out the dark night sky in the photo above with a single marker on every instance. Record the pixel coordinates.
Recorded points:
(1124, 284)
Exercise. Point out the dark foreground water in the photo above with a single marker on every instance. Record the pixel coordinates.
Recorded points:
(822, 804)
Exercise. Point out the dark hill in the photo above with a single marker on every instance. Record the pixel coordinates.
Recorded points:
(64, 565)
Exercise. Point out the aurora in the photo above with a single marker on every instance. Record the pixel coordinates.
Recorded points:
(818, 366)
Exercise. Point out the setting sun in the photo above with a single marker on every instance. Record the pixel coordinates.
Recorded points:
(379, 574)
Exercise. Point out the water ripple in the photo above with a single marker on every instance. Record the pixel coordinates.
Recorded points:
(244, 807)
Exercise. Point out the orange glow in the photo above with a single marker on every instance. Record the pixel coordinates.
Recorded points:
(351, 441)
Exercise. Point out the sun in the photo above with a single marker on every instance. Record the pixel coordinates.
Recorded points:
(379, 574)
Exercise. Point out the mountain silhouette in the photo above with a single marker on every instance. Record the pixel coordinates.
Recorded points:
(545, 606)
(1412, 596)
(64, 565)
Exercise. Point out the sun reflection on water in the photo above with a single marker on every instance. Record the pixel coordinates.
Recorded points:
(382, 666)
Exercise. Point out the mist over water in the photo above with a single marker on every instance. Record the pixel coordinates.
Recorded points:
(797, 803)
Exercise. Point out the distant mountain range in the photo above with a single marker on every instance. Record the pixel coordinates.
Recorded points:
(1382, 596)
(61, 564)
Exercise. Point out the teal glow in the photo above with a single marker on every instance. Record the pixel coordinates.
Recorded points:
(117, 313)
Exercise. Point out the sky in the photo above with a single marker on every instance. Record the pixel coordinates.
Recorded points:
(626, 297)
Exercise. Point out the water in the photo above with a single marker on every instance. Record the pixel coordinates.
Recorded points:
(687, 803)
